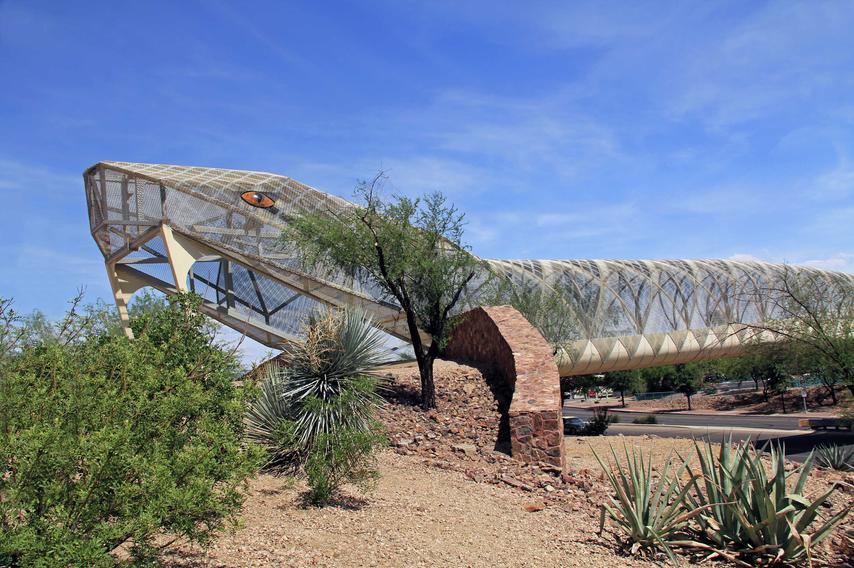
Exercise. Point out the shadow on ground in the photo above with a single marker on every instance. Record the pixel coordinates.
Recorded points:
(804, 443)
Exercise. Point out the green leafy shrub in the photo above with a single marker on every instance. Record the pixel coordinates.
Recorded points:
(750, 514)
(316, 415)
(648, 419)
(833, 456)
(108, 443)
(341, 456)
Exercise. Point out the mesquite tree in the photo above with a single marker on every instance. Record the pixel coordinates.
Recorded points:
(410, 249)
(687, 379)
(814, 313)
(623, 381)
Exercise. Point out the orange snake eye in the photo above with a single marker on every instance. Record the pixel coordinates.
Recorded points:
(257, 199)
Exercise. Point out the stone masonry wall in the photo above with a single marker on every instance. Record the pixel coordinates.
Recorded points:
(501, 339)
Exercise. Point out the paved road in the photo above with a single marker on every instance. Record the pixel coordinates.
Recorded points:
(719, 420)
(759, 429)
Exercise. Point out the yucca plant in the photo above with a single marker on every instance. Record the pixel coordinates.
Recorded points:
(330, 377)
(832, 456)
(758, 514)
(650, 511)
(269, 421)
(317, 413)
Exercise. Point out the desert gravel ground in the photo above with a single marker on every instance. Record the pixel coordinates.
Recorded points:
(446, 498)
(417, 516)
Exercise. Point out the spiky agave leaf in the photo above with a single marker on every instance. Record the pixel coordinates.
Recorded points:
(269, 420)
(651, 512)
(833, 456)
(758, 515)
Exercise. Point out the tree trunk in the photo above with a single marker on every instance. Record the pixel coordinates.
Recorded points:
(425, 362)
(688, 396)
(623, 398)
(832, 390)
(425, 369)
(783, 401)
(428, 388)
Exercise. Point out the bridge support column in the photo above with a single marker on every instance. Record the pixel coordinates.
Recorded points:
(182, 252)
(124, 285)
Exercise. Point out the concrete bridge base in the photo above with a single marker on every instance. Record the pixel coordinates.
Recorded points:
(500, 340)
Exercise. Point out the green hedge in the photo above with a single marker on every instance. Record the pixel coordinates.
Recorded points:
(111, 445)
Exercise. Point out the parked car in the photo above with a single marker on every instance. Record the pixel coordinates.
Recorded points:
(573, 424)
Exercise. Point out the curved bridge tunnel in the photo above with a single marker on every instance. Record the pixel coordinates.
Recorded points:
(177, 228)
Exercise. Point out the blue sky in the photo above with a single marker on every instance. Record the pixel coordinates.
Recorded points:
(564, 130)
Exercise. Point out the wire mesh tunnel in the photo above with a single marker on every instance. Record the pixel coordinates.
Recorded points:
(625, 313)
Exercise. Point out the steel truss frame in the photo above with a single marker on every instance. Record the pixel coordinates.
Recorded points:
(177, 228)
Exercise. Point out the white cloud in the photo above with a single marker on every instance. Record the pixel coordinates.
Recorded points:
(840, 261)
(548, 234)
(481, 233)
(41, 259)
(508, 137)
(694, 61)
(15, 175)
(725, 199)
(422, 174)
(745, 257)
(411, 175)
(528, 136)
(779, 55)
(843, 262)
(599, 215)
(833, 222)
(836, 183)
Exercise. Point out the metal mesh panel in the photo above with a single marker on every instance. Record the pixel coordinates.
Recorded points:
(160, 271)
(654, 303)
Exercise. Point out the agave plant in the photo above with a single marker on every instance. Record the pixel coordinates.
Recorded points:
(840, 458)
(327, 386)
(650, 511)
(747, 513)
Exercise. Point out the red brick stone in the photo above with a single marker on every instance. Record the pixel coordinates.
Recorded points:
(502, 339)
